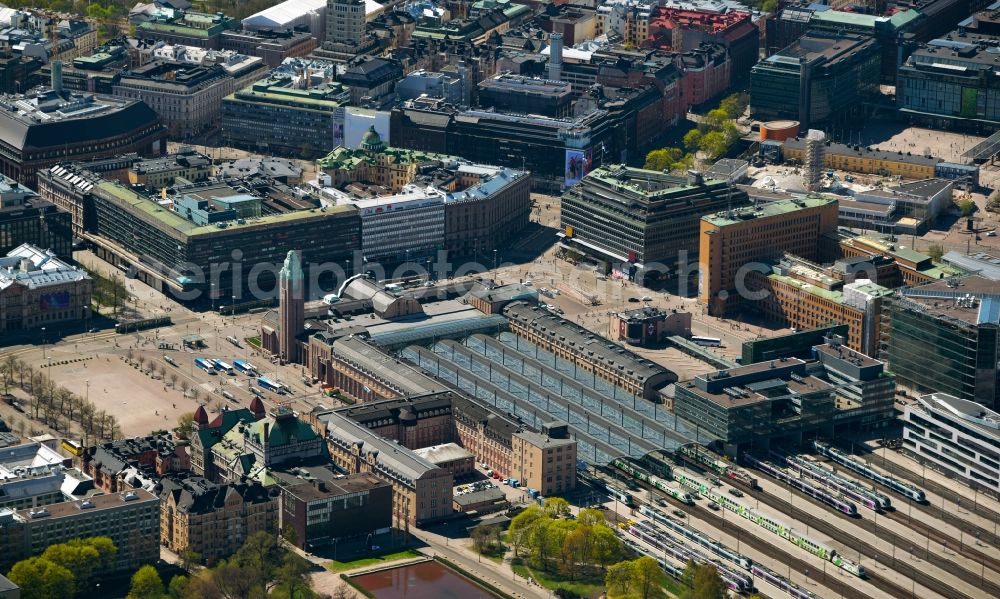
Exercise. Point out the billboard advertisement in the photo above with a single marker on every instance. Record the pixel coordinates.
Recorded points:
(60, 300)
(578, 165)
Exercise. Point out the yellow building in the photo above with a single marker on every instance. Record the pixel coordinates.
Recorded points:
(375, 164)
(731, 242)
(862, 160)
(545, 461)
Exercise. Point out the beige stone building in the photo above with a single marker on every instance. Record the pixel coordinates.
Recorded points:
(214, 519)
(545, 461)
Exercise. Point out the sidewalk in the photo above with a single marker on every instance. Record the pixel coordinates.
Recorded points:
(499, 575)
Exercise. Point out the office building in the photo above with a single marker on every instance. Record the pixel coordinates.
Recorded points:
(942, 337)
(571, 342)
(371, 81)
(213, 519)
(413, 204)
(421, 491)
(642, 224)
(186, 27)
(272, 46)
(789, 345)
(186, 98)
(730, 240)
(345, 22)
(26, 218)
(958, 437)
(173, 251)
(447, 86)
(37, 290)
(187, 166)
(818, 78)
(49, 126)
(895, 33)
(911, 267)
(293, 112)
(526, 95)
(545, 461)
(31, 475)
(130, 519)
(325, 509)
(950, 83)
(802, 295)
(749, 406)
(865, 393)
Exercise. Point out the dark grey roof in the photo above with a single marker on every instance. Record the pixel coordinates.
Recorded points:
(118, 118)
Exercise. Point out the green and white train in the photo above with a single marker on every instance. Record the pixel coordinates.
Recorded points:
(767, 522)
(641, 474)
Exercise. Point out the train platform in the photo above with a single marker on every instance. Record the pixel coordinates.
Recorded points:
(848, 527)
(971, 498)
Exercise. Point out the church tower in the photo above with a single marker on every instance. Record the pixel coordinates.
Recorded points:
(291, 307)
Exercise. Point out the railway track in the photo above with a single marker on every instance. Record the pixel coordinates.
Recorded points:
(987, 536)
(957, 545)
(760, 542)
(884, 559)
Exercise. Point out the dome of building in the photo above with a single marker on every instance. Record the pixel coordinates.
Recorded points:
(371, 141)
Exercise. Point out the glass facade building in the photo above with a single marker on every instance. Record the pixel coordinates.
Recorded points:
(943, 344)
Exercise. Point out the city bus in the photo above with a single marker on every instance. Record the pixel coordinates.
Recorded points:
(244, 367)
(205, 365)
(707, 341)
(265, 383)
(224, 367)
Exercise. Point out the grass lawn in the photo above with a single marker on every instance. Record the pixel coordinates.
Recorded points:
(337, 566)
(254, 341)
(494, 553)
(587, 587)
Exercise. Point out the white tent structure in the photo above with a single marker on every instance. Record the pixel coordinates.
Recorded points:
(288, 15)
(297, 13)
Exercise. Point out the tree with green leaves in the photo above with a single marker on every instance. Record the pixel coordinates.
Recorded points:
(703, 582)
(935, 252)
(178, 586)
(146, 584)
(618, 579)
(713, 144)
(663, 159)
(692, 140)
(185, 426)
(967, 207)
(646, 576)
(40, 578)
(606, 547)
(556, 506)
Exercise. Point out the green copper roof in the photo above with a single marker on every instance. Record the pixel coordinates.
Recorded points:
(282, 431)
(779, 207)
